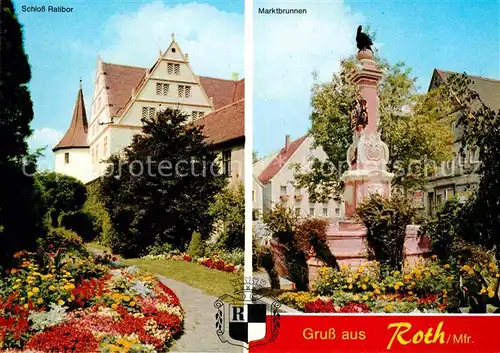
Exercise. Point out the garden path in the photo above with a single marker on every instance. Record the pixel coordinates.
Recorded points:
(199, 321)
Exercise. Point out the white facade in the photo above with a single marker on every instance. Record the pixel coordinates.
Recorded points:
(73, 162)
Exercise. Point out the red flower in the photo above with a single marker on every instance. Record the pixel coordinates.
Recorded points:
(319, 306)
(355, 308)
(64, 338)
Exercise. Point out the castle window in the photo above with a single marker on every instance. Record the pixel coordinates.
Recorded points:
(283, 190)
(226, 163)
(148, 112)
(325, 212)
(184, 91)
(297, 211)
(311, 211)
(162, 89)
(173, 69)
(66, 158)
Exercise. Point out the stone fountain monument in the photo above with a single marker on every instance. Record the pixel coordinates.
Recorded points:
(367, 158)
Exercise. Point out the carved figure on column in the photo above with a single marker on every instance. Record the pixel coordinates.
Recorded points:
(359, 115)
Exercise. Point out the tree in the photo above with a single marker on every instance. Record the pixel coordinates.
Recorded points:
(159, 189)
(20, 207)
(481, 131)
(229, 210)
(61, 194)
(414, 126)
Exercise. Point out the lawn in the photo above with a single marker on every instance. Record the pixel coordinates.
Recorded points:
(213, 282)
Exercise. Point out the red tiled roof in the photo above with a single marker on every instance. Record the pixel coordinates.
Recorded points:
(76, 136)
(120, 81)
(280, 160)
(225, 124)
(223, 92)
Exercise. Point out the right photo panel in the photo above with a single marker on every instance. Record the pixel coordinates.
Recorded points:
(376, 173)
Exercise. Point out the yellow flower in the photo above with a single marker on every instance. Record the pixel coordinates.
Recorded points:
(434, 257)
(396, 287)
(18, 280)
(366, 279)
(376, 291)
(60, 302)
(491, 293)
(364, 286)
(25, 306)
(355, 297)
(52, 288)
(39, 301)
(365, 297)
(446, 266)
(35, 290)
(410, 293)
(30, 294)
(350, 286)
(126, 298)
(114, 306)
(482, 291)
(132, 303)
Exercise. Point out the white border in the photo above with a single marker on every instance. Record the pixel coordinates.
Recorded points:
(248, 45)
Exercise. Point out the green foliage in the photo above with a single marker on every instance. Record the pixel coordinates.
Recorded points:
(236, 256)
(196, 246)
(82, 223)
(61, 238)
(229, 211)
(480, 287)
(100, 216)
(386, 221)
(169, 203)
(412, 125)
(160, 249)
(61, 194)
(297, 239)
(481, 125)
(21, 211)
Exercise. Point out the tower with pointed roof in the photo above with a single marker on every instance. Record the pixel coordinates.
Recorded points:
(72, 152)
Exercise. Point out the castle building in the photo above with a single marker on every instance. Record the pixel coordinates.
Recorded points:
(458, 175)
(123, 95)
(274, 181)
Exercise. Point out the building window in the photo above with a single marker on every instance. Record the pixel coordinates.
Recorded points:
(226, 163)
(325, 212)
(337, 211)
(283, 190)
(148, 112)
(195, 114)
(311, 211)
(162, 89)
(173, 69)
(184, 91)
(297, 211)
(66, 158)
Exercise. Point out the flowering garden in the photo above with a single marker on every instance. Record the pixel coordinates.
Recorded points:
(61, 300)
(427, 286)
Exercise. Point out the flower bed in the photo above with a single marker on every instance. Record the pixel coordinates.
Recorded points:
(424, 287)
(71, 303)
(213, 262)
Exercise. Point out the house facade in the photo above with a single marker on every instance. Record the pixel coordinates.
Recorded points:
(274, 181)
(123, 95)
(457, 176)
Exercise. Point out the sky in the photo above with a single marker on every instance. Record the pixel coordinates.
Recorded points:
(62, 48)
(456, 35)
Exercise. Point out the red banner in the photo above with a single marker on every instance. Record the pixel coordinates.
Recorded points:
(385, 333)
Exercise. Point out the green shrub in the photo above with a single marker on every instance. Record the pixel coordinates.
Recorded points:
(228, 211)
(196, 245)
(264, 258)
(82, 223)
(386, 221)
(100, 217)
(236, 256)
(61, 238)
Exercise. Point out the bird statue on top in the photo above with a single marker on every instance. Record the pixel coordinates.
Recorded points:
(363, 40)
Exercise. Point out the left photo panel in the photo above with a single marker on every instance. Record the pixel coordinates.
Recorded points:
(122, 209)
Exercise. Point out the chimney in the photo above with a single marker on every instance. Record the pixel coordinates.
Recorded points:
(186, 57)
(287, 142)
(235, 76)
